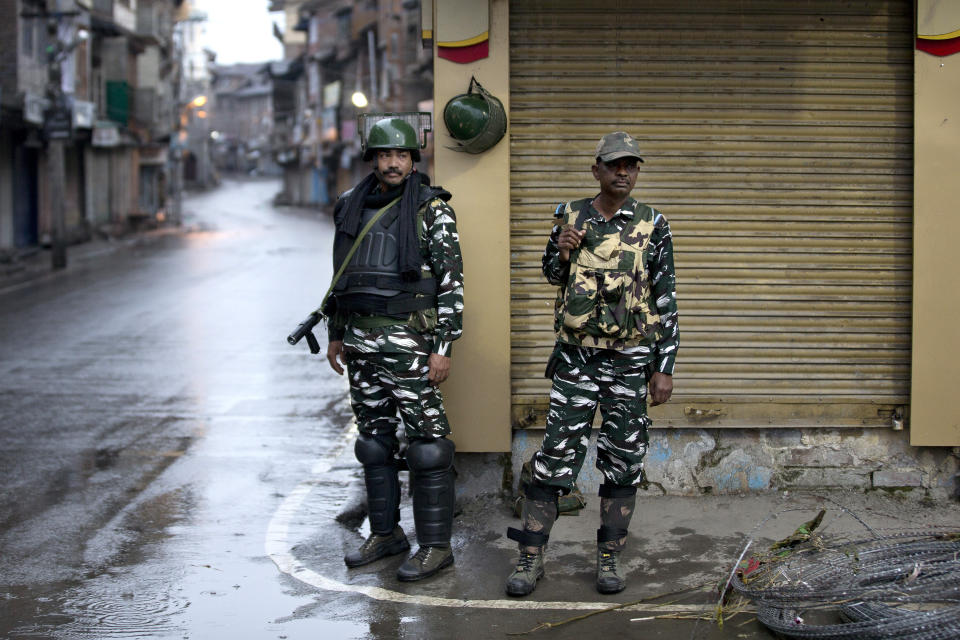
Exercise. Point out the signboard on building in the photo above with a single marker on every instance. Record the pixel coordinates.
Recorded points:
(105, 134)
(331, 94)
(58, 123)
(155, 154)
(83, 114)
(33, 108)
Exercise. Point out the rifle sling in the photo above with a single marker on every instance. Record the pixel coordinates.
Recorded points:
(353, 250)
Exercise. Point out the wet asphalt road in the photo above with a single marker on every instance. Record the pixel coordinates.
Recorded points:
(171, 468)
(152, 417)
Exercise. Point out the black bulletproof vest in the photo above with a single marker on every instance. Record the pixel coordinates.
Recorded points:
(378, 255)
(371, 282)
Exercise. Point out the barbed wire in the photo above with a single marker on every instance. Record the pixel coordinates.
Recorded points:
(889, 584)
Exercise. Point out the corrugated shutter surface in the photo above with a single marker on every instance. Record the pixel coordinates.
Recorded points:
(778, 141)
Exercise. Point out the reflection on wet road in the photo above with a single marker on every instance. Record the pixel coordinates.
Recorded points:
(153, 418)
(170, 466)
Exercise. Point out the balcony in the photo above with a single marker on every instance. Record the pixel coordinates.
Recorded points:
(153, 111)
(153, 21)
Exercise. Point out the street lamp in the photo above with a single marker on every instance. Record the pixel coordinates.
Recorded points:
(194, 106)
(58, 126)
(359, 99)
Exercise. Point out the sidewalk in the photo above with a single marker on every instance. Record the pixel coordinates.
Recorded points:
(675, 544)
(20, 267)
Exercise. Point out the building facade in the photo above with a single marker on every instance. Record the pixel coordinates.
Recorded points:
(344, 59)
(783, 145)
(114, 64)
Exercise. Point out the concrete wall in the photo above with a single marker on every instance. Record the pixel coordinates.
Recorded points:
(477, 394)
(935, 414)
(9, 36)
(115, 59)
(731, 461)
(6, 191)
(148, 68)
(31, 67)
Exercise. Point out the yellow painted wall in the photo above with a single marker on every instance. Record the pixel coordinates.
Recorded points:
(934, 409)
(477, 394)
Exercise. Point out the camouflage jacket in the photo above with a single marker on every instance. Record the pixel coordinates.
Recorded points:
(618, 289)
(440, 247)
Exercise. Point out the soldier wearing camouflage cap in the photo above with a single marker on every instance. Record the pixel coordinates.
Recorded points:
(616, 327)
(395, 311)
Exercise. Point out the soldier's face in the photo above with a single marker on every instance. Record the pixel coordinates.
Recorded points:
(617, 177)
(393, 166)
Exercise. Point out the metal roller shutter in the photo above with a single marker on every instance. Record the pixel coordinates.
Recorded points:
(779, 138)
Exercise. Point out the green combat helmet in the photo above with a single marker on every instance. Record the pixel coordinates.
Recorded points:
(476, 119)
(392, 133)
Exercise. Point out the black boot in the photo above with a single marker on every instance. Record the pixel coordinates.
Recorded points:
(432, 477)
(539, 513)
(617, 504)
(380, 475)
(377, 546)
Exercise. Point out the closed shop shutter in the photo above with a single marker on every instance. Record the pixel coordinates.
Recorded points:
(778, 141)
(98, 185)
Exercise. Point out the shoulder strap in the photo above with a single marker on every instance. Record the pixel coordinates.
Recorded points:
(582, 215)
(353, 249)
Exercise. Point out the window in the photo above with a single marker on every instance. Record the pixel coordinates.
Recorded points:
(27, 26)
(344, 20)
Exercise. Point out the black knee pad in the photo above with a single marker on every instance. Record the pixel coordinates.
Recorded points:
(430, 455)
(372, 451)
(431, 469)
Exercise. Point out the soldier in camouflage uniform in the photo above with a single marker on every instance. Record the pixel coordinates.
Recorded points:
(396, 310)
(616, 326)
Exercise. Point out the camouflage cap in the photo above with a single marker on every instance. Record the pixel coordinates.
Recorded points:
(618, 144)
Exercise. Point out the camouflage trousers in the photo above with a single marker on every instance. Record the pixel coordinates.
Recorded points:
(584, 379)
(387, 368)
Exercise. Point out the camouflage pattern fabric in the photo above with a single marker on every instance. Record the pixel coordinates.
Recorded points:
(440, 246)
(387, 357)
(618, 290)
(616, 513)
(584, 379)
(538, 516)
(388, 371)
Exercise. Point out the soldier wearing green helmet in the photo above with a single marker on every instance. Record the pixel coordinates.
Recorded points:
(392, 317)
(392, 133)
(611, 258)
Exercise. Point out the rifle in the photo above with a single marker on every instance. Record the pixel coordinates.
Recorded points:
(305, 330)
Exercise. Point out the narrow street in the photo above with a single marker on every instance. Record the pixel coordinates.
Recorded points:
(171, 468)
(153, 416)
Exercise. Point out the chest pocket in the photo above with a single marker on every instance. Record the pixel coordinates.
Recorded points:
(607, 293)
(597, 295)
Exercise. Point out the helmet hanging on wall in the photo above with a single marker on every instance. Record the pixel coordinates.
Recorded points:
(476, 119)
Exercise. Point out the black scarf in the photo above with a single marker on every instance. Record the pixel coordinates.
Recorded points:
(363, 196)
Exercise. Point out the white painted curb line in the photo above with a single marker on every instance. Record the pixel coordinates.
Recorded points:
(279, 550)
